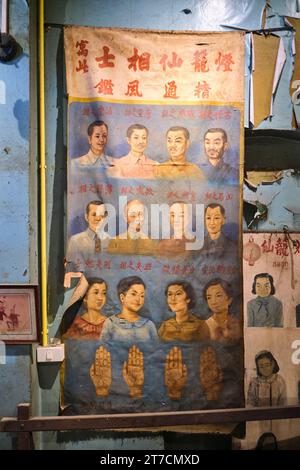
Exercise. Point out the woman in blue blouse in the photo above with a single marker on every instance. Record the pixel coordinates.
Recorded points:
(128, 325)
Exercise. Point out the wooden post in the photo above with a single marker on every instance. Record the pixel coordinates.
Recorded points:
(24, 440)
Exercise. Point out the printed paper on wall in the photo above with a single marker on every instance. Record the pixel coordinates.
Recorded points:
(155, 151)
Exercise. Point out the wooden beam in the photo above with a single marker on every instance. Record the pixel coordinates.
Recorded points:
(140, 420)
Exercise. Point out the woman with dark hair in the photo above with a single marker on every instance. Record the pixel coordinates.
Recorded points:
(128, 325)
(89, 324)
(265, 309)
(184, 326)
(268, 388)
(223, 325)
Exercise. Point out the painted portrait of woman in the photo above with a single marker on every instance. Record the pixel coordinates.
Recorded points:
(265, 309)
(184, 325)
(129, 325)
(268, 388)
(89, 324)
(223, 325)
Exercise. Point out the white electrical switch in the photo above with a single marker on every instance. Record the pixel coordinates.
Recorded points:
(51, 353)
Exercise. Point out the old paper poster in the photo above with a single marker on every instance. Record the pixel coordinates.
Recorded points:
(272, 322)
(155, 155)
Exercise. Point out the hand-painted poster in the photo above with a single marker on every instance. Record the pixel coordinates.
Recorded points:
(272, 322)
(155, 150)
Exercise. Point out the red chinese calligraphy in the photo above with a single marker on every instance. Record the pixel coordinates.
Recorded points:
(296, 246)
(209, 270)
(126, 190)
(138, 267)
(138, 112)
(202, 90)
(82, 65)
(177, 269)
(133, 89)
(105, 87)
(175, 62)
(225, 61)
(171, 90)
(218, 196)
(105, 60)
(141, 61)
(89, 263)
(137, 190)
(107, 264)
(186, 195)
(281, 247)
(267, 247)
(81, 45)
(99, 263)
(166, 269)
(105, 110)
(95, 188)
(200, 62)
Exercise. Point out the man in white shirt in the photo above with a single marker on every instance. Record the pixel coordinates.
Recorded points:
(86, 245)
(135, 164)
(97, 137)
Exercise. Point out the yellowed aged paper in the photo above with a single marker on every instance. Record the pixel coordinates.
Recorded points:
(110, 54)
(265, 50)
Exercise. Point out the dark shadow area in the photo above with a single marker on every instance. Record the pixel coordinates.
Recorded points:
(179, 441)
(298, 316)
(69, 436)
(272, 149)
(267, 441)
(47, 374)
(56, 238)
(18, 350)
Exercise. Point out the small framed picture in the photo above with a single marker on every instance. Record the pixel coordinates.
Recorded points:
(19, 314)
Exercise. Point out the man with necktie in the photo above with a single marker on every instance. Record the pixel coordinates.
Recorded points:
(86, 245)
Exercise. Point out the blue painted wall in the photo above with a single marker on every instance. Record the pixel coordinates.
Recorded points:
(18, 167)
(14, 155)
(18, 264)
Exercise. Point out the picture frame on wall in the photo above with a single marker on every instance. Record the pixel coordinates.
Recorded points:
(19, 314)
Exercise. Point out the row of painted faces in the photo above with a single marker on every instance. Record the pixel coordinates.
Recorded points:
(134, 215)
(137, 165)
(181, 299)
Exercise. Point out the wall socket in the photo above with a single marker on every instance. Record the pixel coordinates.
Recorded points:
(50, 353)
